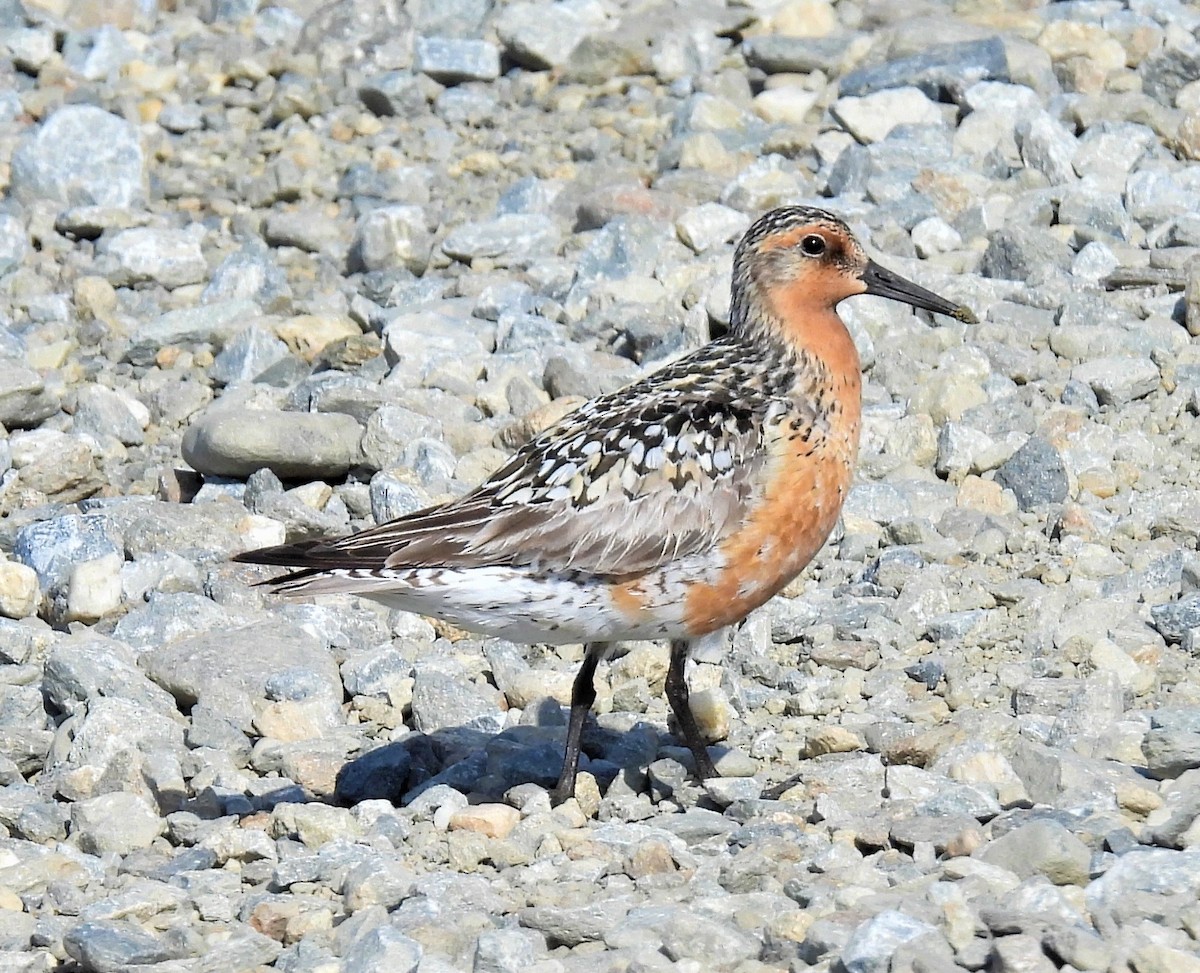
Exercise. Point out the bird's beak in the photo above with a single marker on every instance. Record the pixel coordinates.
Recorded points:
(883, 283)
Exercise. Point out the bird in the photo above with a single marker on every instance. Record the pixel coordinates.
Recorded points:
(667, 509)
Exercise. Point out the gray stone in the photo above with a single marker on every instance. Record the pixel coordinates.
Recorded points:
(1172, 744)
(250, 274)
(113, 945)
(539, 35)
(441, 699)
(84, 666)
(777, 54)
(393, 93)
(24, 399)
(1078, 947)
(572, 925)
(80, 156)
(938, 70)
(1118, 381)
(452, 60)
(310, 229)
(14, 244)
(716, 943)
(1035, 473)
(229, 670)
(1156, 871)
(506, 239)
(382, 948)
(53, 547)
(1176, 618)
(1155, 196)
(211, 324)
(247, 355)
(1024, 253)
(506, 951)
(293, 445)
(102, 412)
(1042, 847)
(392, 236)
(871, 946)
(117, 822)
(1047, 147)
(1021, 953)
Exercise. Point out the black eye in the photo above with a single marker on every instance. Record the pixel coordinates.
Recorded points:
(813, 245)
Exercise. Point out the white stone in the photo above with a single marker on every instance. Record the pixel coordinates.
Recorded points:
(872, 117)
(785, 106)
(934, 235)
(710, 225)
(19, 591)
(94, 588)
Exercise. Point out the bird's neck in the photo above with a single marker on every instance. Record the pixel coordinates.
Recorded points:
(786, 318)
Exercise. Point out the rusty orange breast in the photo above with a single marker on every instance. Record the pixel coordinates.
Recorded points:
(805, 484)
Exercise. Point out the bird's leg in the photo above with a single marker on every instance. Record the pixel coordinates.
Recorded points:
(677, 696)
(583, 694)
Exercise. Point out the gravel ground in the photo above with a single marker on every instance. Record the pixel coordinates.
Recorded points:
(276, 272)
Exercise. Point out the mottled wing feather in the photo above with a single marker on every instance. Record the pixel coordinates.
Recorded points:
(659, 470)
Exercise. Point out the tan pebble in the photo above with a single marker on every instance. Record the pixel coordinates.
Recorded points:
(493, 820)
(1137, 799)
(652, 857)
(832, 739)
(964, 843)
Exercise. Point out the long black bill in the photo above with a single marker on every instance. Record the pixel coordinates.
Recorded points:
(883, 283)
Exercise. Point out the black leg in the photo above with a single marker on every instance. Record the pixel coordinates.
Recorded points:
(583, 694)
(677, 696)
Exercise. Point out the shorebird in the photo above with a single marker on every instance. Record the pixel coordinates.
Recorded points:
(668, 509)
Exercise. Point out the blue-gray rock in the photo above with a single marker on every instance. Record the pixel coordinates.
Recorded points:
(1047, 147)
(1035, 473)
(113, 945)
(453, 18)
(777, 54)
(14, 243)
(80, 156)
(229, 670)
(940, 71)
(927, 671)
(1174, 619)
(24, 399)
(572, 925)
(382, 948)
(178, 119)
(293, 445)
(379, 774)
(308, 228)
(211, 324)
(53, 547)
(872, 944)
(506, 239)
(1155, 195)
(392, 236)
(453, 60)
(1119, 379)
(539, 35)
(247, 355)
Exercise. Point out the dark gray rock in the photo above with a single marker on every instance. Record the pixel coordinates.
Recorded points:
(441, 699)
(113, 945)
(247, 355)
(81, 156)
(941, 71)
(379, 774)
(53, 547)
(777, 54)
(1176, 618)
(1035, 473)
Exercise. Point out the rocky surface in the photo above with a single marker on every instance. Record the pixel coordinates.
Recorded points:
(271, 272)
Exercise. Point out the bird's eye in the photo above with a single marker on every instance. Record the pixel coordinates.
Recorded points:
(813, 245)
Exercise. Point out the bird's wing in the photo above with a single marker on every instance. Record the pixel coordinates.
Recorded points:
(661, 469)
